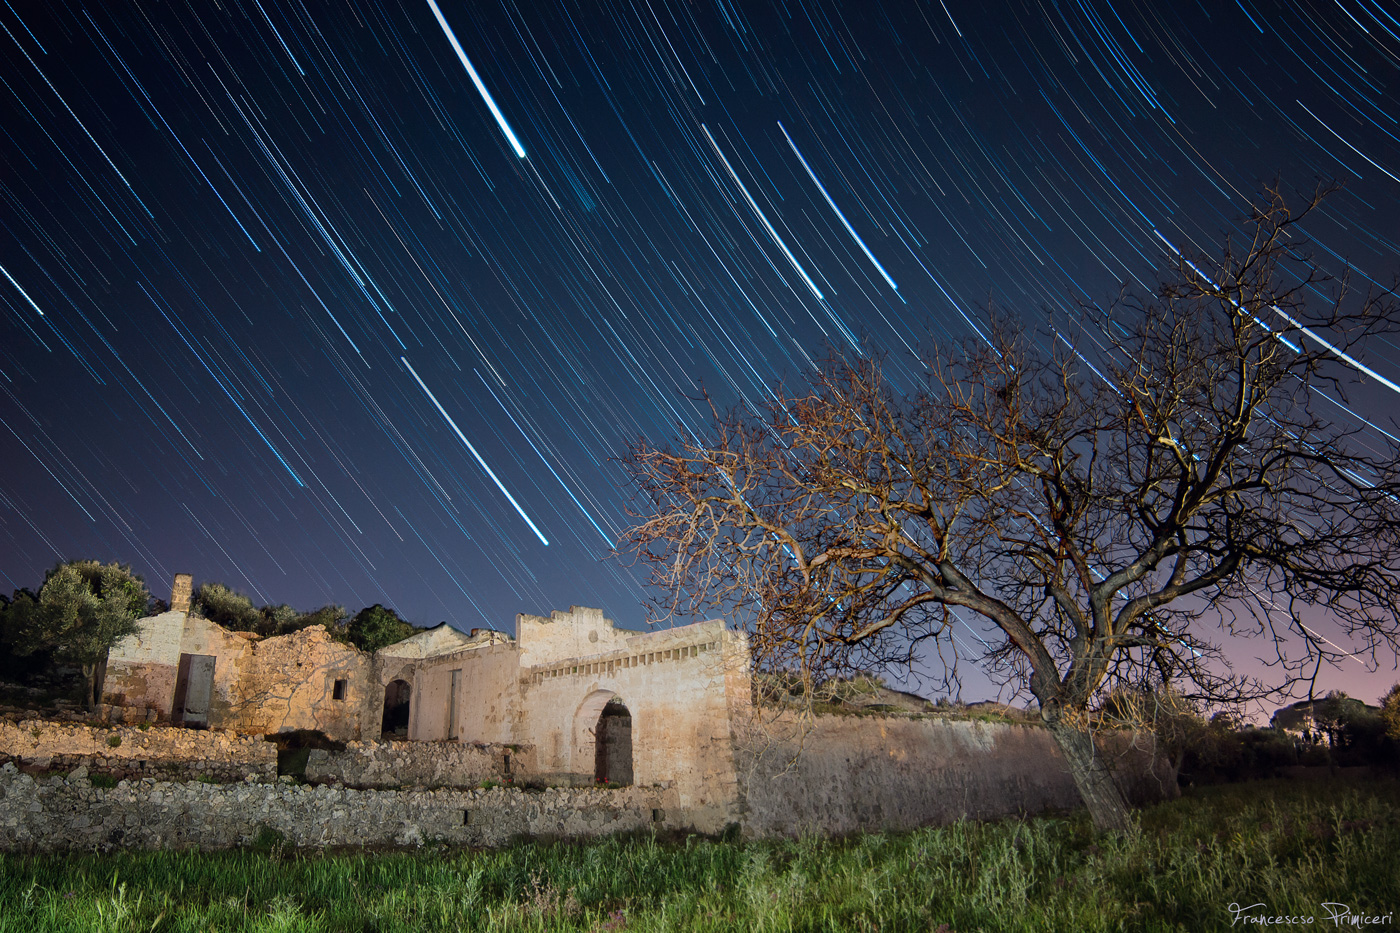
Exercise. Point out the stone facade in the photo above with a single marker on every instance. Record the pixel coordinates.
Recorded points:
(671, 698)
(304, 680)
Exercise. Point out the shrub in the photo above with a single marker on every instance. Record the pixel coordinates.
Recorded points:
(1390, 713)
(223, 606)
(375, 627)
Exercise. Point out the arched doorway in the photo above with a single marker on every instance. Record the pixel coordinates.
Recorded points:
(396, 708)
(612, 744)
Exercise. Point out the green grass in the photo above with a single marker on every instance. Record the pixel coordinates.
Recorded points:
(1291, 847)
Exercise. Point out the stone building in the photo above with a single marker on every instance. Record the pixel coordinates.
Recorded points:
(577, 699)
(570, 701)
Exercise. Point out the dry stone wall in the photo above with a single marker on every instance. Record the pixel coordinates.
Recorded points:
(125, 751)
(57, 814)
(421, 764)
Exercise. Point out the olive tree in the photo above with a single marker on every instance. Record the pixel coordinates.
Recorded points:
(81, 611)
(1103, 506)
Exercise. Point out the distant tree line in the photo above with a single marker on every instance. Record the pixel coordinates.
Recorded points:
(58, 635)
(369, 629)
(1337, 731)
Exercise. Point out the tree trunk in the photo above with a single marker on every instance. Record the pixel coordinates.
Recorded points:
(90, 696)
(1107, 805)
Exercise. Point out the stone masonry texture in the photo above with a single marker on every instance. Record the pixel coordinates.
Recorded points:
(67, 814)
(127, 750)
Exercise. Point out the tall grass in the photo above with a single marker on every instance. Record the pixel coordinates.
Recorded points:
(1289, 847)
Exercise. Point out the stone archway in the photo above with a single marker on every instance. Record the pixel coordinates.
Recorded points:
(612, 744)
(397, 695)
(602, 716)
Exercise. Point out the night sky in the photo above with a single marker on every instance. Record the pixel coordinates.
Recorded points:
(323, 303)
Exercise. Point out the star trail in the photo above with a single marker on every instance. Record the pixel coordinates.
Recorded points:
(359, 302)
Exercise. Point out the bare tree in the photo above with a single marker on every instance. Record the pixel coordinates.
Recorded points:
(1104, 511)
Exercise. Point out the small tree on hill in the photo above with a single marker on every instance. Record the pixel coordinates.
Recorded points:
(375, 627)
(81, 611)
(1099, 520)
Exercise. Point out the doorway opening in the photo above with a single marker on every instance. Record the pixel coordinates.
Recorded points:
(396, 708)
(612, 748)
(194, 690)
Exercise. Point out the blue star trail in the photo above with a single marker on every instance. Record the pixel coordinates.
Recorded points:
(225, 230)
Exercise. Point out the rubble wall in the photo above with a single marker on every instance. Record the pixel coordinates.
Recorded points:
(420, 764)
(128, 751)
(285, 682)
(54, 814)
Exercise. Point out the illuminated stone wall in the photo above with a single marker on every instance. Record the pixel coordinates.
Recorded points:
(58, 814)
(127, 751)
(844, 774)
(421, 764)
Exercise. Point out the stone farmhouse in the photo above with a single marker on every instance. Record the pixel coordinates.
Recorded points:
(571, 727)
(573, 698)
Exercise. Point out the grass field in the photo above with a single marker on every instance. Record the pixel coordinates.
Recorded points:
(1289, 848)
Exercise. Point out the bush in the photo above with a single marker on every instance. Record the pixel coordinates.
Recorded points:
(1219, 754)
(1390, 713)
(223, 606)
(375, 627)
(332, 618)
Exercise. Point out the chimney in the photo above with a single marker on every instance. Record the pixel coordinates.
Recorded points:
(180, 593)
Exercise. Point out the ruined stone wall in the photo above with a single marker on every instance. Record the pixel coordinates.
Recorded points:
(487, 701)
(286, 682)
(141, 668)
(441, 639)
(853, 773)
(675, 685)
(125, 751)
(579, 633)
(55, 814)
(421, 764)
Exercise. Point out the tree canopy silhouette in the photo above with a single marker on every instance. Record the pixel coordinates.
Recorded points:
(82, 610)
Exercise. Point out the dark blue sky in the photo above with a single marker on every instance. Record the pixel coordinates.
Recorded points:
(282, 306)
